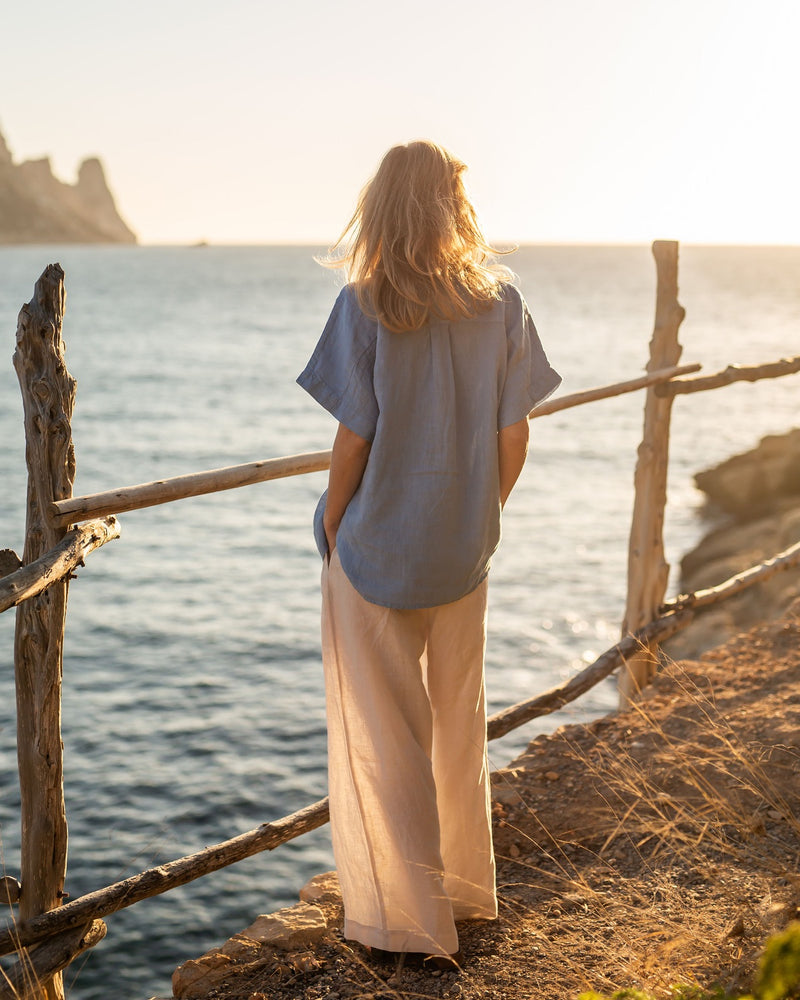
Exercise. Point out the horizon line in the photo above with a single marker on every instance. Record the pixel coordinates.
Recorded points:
(502, 247)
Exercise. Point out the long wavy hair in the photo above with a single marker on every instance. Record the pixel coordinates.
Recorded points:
(413, 248)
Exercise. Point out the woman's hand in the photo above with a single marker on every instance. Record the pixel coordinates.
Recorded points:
(512, 448)
(331, 530)
(348, 461)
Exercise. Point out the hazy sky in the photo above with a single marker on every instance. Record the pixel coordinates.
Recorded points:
(259, 120)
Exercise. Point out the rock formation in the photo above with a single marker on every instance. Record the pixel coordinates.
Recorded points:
(749, 485)
(757, 495)
(36, 207)
(277, 940)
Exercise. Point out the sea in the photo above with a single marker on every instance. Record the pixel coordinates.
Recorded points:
(192, 694)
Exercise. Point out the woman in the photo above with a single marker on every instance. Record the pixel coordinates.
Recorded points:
(431, 364)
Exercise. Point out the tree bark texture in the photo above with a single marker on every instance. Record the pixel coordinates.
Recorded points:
(48, 396)
(731, 374)
(648, 570)
(27, 581)
(22, 980)
(734, 585)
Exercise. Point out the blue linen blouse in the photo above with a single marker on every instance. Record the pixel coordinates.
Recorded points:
(421, 529)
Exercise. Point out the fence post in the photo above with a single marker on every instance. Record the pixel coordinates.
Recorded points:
(648, 570)
(48, 395)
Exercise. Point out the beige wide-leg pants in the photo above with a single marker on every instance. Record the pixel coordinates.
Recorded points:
(407, 766)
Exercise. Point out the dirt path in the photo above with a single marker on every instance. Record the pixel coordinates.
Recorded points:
(654, 847)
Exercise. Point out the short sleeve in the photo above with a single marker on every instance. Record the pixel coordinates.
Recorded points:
(529, 377)
(340, 373)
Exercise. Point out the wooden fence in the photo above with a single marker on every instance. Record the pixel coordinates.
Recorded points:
(61, 531)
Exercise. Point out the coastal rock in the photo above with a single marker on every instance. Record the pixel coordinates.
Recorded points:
(750, 484)
(323, 888)
(36, 207)
(95, 197)
(197, 977)
(291, 928)
(759, 491)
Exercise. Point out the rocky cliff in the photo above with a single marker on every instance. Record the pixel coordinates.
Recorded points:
(36, 207)
(755, 498)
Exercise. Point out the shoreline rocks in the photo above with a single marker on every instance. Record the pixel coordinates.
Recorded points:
(282, 938)
(757, 497)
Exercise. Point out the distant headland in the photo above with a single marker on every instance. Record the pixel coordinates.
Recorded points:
(36, 207)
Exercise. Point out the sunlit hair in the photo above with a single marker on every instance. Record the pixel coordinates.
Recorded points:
(413, 248)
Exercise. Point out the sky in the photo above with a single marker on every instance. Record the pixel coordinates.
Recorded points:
(258, 121)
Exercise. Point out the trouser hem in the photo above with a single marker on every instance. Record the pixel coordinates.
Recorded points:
(399, 941)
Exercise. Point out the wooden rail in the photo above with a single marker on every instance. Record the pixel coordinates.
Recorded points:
(788, 559)
(733, 373)
(180, 487)
(127, 498)
(48, 960)
(56, 564)
(155, 881)
(661, 375)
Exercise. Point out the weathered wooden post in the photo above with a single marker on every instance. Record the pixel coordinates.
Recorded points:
(48, 395)
(648, 570)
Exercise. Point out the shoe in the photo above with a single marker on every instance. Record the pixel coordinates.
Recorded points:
(416, 959)
(383, 957)
(444, 963)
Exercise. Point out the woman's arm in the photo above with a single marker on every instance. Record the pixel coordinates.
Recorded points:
(348, 461)
(512, 447)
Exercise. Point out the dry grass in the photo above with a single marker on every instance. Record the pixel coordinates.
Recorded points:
(656, 847)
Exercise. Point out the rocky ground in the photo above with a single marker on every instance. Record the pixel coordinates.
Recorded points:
(654, 847)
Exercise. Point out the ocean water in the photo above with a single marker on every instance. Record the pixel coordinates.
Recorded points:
(193, 701)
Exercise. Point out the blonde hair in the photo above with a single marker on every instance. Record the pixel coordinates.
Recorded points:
(413, 248)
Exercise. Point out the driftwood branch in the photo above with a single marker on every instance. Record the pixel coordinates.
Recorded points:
(554, 699)
(57, 563)
(23, 979)
(607, 391)
(179, 488)
(733, 373)
(156, 881)
(785, 560)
